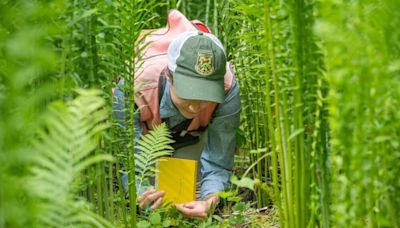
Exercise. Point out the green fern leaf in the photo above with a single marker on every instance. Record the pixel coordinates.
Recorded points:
(63, 149)
(153, 145)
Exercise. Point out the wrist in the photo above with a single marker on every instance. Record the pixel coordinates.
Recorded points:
(212, 200)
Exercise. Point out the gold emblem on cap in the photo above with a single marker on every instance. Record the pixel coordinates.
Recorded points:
(204, 65)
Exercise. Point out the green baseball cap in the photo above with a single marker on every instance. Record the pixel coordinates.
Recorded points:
(198, 64)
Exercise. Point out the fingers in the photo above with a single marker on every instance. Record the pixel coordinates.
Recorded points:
(145, 194)
(192, 213)
(157, 204)
(179, 206)
(151, 197)
(194, 209)
(189, 205)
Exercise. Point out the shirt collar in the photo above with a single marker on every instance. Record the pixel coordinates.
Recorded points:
(167, 107)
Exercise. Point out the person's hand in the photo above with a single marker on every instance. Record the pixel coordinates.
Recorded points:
(198, 209)
(151, 197)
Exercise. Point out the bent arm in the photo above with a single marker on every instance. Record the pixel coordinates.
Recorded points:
(218, 154)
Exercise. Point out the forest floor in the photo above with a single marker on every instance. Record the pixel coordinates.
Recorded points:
(232, 214)
(263, 217)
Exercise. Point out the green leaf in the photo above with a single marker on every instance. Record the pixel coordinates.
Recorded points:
(86, 13)
(143, 224)
(295, 134)
(234, 199)
(258, 150)
(241, 207)
(245, 182)
(155, 218)
(63, 148)
(166, 223)
(218, 218)
(225, 195)
(153, 146)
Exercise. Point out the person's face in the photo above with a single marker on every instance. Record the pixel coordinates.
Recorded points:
(188, 108)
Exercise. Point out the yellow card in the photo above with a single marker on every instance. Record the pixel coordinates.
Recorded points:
(177, 177)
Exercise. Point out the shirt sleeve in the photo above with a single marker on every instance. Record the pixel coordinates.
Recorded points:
(218, 154)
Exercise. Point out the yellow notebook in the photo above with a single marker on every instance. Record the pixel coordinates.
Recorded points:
(177, 177)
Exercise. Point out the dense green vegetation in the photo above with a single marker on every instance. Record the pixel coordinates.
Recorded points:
(319, 139)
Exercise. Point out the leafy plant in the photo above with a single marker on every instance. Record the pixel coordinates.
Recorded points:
(97, 45)
(293, 159)
(132, 18)
(28, 68)
(152, 146)
(63, 150)
(362, 56)
(280, 72)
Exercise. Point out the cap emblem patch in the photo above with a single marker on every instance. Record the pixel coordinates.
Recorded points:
(204, 65)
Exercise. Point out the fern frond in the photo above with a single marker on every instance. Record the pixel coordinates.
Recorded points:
(63, 149)
(152, 146)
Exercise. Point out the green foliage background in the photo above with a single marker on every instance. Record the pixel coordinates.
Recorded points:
(362, 59)
(319, 80)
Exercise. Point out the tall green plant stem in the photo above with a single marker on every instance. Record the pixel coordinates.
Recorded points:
(298, 26)
(93, 58)
(207, 12)
(129, 33)
(215, 18)
(270, 71)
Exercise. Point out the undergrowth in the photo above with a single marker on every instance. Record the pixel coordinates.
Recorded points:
(319, 139)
